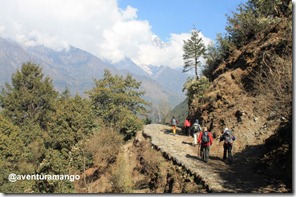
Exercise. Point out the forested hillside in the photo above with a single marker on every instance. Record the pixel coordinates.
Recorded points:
(43, 132)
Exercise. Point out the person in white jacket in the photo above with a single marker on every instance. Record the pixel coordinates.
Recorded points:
(196, 128)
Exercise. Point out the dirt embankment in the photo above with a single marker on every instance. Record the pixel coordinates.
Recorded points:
(139, 168)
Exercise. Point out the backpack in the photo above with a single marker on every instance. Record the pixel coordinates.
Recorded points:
(205, 137)
(196, 127)
(228, 138)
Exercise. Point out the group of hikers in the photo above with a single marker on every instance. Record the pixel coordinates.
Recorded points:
(204, 138)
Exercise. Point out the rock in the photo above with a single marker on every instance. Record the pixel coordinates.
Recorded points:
(255, 119)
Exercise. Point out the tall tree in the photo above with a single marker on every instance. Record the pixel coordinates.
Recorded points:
(72, 121)
(194, 48)
(117, 100)
(30, 98)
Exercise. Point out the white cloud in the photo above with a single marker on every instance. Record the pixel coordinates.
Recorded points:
(35, 38)
(97, 26)
(2, 29)
(169, 53)
(129, 13)
(124, 39)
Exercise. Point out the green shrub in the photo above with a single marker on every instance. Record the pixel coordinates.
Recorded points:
(195, 88)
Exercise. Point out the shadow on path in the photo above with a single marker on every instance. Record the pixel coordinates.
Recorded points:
(167, 131)
(170, 131)
(241, 175)
(188, 143)
(215, 158)
(191, 157)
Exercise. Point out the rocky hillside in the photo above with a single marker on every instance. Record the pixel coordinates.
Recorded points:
(251, 94)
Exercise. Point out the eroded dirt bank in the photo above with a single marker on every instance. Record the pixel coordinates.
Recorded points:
(140, 168)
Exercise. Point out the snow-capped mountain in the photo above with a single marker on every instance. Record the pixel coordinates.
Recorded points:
(156, 41)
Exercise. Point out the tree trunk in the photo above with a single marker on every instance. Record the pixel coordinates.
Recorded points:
(196, 74)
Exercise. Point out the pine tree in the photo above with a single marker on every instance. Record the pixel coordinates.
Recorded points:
(72, 121)
(117, 100)
(30, 98)
(194, 48)
(12, 157)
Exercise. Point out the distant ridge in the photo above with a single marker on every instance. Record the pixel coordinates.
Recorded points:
(76, 69)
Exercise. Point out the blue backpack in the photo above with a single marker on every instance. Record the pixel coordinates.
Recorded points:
(205, 137)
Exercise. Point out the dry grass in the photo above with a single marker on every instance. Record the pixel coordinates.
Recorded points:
(104, 146)
(121, 177)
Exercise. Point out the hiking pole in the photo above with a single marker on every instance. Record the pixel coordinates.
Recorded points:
(198, 150)
(232, 152)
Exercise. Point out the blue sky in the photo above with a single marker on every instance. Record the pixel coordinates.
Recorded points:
(179, 16)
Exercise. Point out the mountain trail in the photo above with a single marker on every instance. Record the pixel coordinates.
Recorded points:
(216, 175)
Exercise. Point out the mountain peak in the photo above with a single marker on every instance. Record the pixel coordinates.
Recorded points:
(156, 41)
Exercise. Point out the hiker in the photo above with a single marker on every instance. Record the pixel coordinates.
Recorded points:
(187, 125)
(228, 138)
(205, 139)
(195, 129)
(174, 123)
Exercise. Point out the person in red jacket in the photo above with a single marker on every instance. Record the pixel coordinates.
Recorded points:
(205, 139)
(187, 126)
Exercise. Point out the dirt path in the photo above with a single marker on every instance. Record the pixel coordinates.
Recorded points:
(216, 174)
